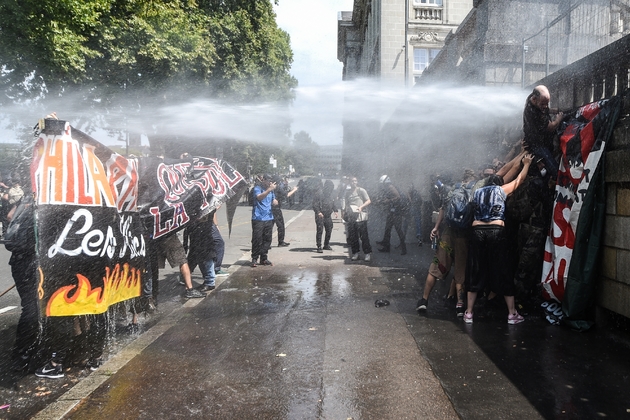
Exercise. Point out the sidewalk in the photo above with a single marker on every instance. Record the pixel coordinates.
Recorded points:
(303, 339)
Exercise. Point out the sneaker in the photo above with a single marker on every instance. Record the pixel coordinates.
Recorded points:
(221, 273)
(93, 364)
(205, 288)
(380, 242)
(422, 305)
(180, 280)
(383, 250)
(368, 257)
(266, 262)
(149, 305)
(193, 294)
(355, 257)
(515, 318)
(327, 248)
(50, 371)
(459, 308)
(468, 318)
(284, 244)
(419, 242)
(319, 250)
(254, 262)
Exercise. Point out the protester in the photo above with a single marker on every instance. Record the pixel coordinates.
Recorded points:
(539, 128)
(324, 206)
(487, 259)
(23, 264)
(262, 219)
(356, 201)
(68, 336)
(282, 193)
(170, 248)
(396, 208)
(452, 244)
(201, 252)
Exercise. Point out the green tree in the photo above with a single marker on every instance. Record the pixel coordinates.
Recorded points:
(126, 56)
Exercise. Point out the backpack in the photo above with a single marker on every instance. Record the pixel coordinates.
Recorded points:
(20, 235)
(459, 209)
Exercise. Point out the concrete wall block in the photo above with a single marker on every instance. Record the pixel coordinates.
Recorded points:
(621, 135)
(617, 166)
(614, 296)
(623, 202)
(611, 198)
(623, 266)
(616, 232)
(609, 262)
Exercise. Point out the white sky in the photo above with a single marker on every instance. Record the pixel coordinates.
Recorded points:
(312, 26)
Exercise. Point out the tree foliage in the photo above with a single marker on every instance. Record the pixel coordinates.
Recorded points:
(114, 51)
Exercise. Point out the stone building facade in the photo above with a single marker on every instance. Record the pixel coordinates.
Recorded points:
(395, 40)
(518, 42)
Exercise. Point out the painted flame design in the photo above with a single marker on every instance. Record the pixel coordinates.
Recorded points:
(118, 285)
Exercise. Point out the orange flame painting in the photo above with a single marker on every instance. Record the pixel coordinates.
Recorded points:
(118, 285)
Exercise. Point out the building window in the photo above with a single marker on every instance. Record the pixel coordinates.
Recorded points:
(422, 57)
(427, 2)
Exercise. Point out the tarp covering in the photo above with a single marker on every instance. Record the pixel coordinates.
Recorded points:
(572, 246)
(96, 208)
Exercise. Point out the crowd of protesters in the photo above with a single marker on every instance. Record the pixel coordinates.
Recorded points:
(496, 247)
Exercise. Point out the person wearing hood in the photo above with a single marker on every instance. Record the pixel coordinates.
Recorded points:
(324, 206)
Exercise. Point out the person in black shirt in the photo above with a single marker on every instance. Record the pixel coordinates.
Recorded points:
(324, 206)
(539, 128)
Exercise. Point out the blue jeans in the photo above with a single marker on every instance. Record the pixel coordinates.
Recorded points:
(207, 272)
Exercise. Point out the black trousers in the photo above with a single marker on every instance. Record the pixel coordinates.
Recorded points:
(24, 272)
(278, 219)
(261, 238)
(359, 231)
(323, 223)
(394, 220)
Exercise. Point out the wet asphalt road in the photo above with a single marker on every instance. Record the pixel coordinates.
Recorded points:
(304, 340)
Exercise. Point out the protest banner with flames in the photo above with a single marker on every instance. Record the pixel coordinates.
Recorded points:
(89, 233)
(95, 210)
(572, 246)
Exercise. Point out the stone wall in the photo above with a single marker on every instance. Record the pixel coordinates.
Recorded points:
(597, 76)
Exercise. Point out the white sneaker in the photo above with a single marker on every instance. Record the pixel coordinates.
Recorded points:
(368, 257)
(355, 256)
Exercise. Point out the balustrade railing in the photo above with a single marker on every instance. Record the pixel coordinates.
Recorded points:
(428, 13)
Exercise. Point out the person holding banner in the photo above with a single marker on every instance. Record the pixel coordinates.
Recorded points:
(262, 219)
(170, 248)
(487, 256)
(539, 128)
(199, 242)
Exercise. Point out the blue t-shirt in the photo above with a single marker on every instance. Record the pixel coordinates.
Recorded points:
(261, 211)
(489, 203)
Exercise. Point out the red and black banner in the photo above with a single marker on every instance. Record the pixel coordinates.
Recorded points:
(571, 250)
(95, 210)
